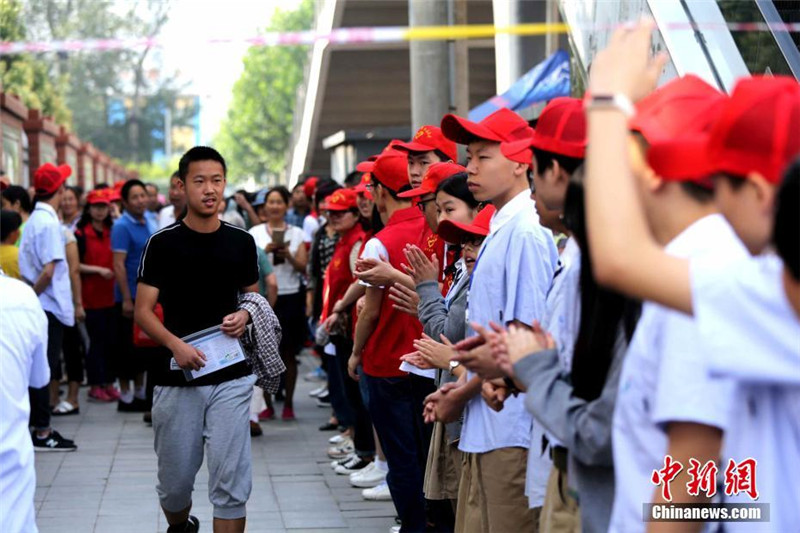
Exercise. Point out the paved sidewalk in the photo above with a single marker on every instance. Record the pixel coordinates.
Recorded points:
(108, 485)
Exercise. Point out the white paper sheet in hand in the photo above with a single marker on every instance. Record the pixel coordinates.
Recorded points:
(221, 351)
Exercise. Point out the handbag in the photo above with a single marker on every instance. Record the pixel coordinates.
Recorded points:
(142, 339)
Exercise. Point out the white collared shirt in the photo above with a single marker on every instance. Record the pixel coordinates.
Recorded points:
(43, 243)
(509, 282)
(23, 363)
(753, 335)
(665, 378)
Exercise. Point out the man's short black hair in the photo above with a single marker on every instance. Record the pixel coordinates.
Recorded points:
(151, 184)
(77, 190)
(130, 184)
(697, 192)
(324, 189)
(200, 153)
(786, 233)
(16, 193)
(544, 160)
(352, 179)
(100, 186)
(10, 221)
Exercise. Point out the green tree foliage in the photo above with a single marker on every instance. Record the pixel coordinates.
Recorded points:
(118, 98)
(256, 133)
(759, 50)
(27, 76)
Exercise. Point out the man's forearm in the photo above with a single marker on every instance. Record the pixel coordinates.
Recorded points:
(469, 390)
(365, 327)
(354, 292)
(404, 279)
(151, 325)
(42, 282)
(121, 274)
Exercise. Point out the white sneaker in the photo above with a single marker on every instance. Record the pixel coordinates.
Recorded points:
(322, 389)
(380, 493)
(340, 451)
(337, 439)
(343, 460)
(394, 529)
(371, 476)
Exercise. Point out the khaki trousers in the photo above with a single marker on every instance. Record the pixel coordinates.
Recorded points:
(560, 511)
(491, 494)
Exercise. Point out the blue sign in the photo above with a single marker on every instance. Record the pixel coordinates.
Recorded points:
(547, 80)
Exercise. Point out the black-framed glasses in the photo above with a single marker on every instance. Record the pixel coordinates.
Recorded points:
(421, 203)
(472, 239)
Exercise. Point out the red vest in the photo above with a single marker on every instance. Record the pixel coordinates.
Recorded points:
(338, 276)
(97, 292)
(395, 331)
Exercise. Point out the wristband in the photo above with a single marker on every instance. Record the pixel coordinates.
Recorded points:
(617, 101)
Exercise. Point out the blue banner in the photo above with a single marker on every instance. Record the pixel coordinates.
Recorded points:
(547, 80)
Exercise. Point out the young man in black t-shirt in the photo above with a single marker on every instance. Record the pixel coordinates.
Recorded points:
(196, 268)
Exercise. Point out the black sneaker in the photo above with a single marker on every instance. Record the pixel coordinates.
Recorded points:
(355, 464)
(54, 442)
(324, 401)
(190, 526)
(136, 406)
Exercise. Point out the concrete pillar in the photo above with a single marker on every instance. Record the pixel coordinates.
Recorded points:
(430, 65)
(516, 55)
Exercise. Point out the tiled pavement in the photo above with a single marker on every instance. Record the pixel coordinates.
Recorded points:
(108, 485)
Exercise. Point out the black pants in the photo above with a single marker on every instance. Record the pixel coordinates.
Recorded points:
(363, 439)
(396, 408)
(40, 398)
(74, 352)
(101, 325)
(129, 360)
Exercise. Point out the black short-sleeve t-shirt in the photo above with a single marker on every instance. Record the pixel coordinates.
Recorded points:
(199, 277)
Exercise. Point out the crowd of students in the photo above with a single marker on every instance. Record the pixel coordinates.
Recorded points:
(589, 299)
(528, 342)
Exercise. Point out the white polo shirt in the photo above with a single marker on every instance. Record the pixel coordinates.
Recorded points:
(665, 377)
(43, 243)
(23, 363)
(754, 334)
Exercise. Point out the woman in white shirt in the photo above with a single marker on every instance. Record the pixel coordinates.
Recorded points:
(289, 258)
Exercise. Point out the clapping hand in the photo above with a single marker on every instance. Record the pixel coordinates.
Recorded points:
(404, 299)
(419, 267)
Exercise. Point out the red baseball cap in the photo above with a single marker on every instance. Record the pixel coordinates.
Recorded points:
(361, 188)
(682, 159)
(436, 173)
(310, 186)
(368, 165)
(341, 200)
(758, 129)
(118, 185)
(561, 129)
(391, 169)
(98, 197)
(453, 231)
(501, 126)
(429, 138)
(673, 110)
(48, 178)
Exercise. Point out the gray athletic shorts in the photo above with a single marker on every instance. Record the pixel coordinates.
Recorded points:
(186, 419)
